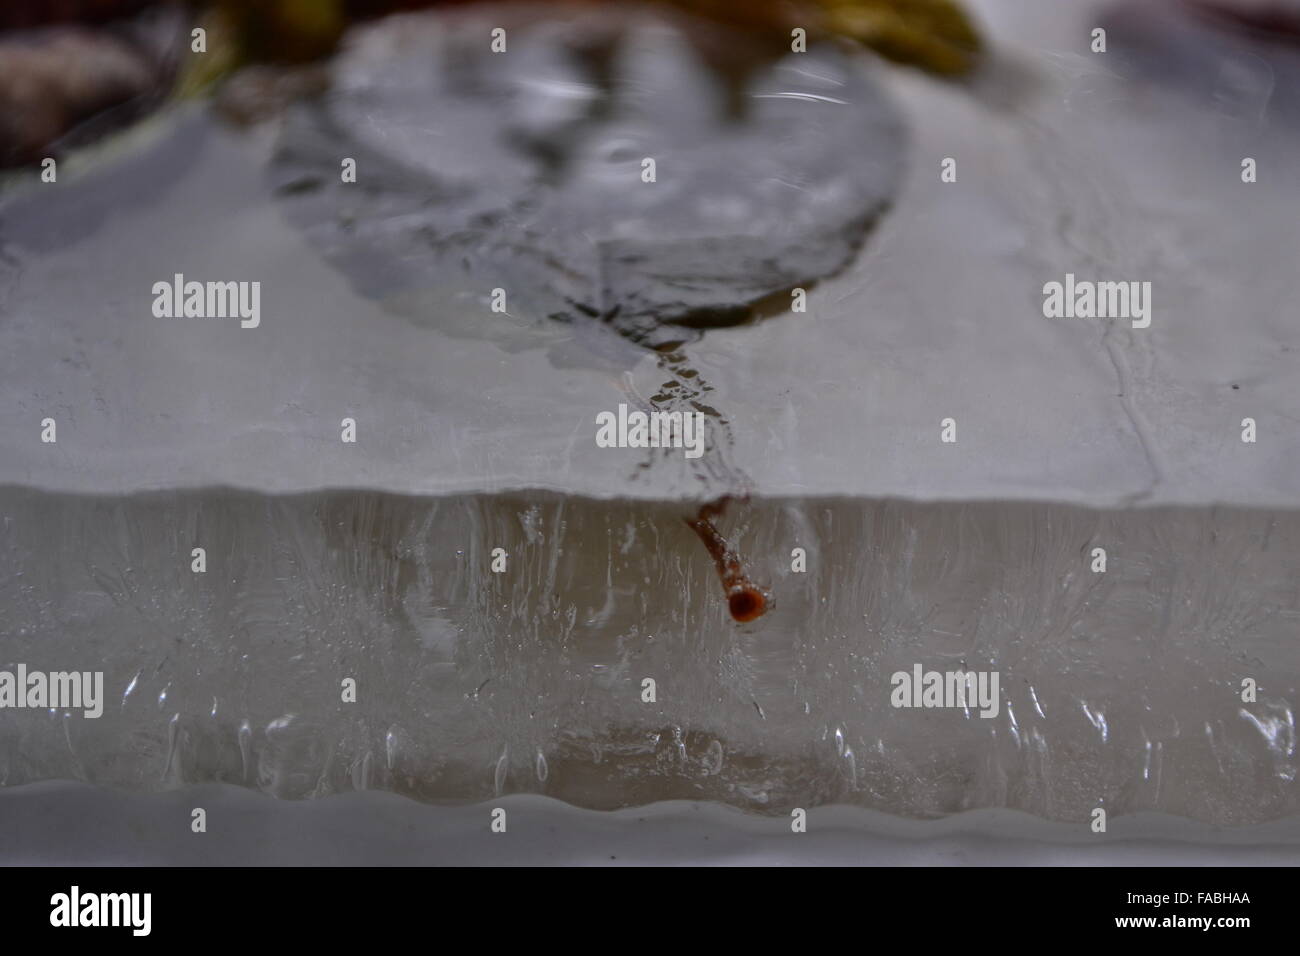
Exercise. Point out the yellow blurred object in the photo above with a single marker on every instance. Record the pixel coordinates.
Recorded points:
(287, 31)
(198, 73)
(933, 34)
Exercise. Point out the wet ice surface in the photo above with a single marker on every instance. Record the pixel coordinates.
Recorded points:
(1120, 690)
(939, 316)
(1083, 170)
(524, 170)
(523, 174)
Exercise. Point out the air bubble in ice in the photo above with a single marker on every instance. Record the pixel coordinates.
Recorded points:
(502, 769)
(713, 758)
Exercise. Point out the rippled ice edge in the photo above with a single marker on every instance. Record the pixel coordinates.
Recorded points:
(98, 826)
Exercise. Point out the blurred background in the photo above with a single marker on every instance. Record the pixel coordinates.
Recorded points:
(71, 69)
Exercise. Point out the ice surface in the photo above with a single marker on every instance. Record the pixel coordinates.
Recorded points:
(524, 170)
(95, 827)
(476, 431)
(1079, 168)
(1120, 689)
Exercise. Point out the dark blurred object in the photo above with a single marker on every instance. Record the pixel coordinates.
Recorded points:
(66, 84)
(285, 31)
(24, 14)
(1274, 17)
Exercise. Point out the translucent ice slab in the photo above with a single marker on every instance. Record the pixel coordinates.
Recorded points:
(1123, 689)
(1120, 689)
